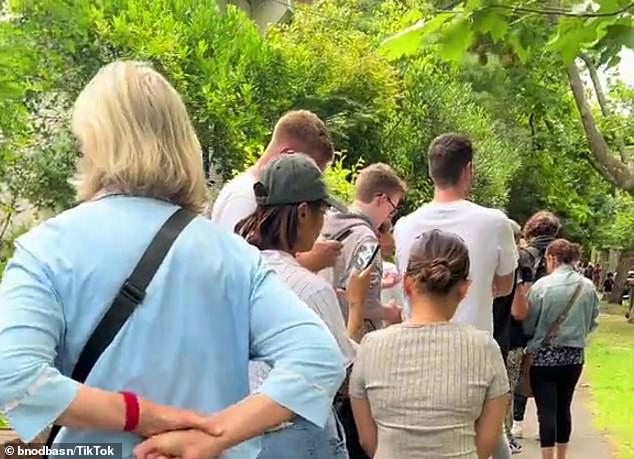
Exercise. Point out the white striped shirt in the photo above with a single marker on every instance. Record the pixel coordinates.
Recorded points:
(318, 295)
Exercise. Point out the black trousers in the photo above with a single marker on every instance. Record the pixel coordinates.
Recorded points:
(344, 411)
(553, 388)
(519, 405)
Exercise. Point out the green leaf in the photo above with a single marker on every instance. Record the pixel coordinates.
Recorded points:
(409, 40)
(608, 6)
(492, 22)
(457, 38)
(573, 34)
(519, 49)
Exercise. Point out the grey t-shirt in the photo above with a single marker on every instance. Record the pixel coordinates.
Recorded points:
(426, 386)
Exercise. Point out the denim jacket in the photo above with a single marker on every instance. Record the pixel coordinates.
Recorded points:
(548, 297)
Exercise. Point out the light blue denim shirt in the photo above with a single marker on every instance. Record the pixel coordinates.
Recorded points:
(212, 306)
(548, 298)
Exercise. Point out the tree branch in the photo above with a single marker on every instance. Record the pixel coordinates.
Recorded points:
(596, 82)
(603, 103)
(559, 12)
(548, 11)
(613, 170)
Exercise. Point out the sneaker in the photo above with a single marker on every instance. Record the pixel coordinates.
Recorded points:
(518, 429)
(515, 447)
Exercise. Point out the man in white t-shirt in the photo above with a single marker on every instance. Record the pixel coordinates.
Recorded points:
(297, 131)
(486, 232)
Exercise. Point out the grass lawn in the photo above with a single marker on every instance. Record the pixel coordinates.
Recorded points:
(610, 372)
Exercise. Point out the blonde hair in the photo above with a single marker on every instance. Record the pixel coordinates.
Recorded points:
(136, 138)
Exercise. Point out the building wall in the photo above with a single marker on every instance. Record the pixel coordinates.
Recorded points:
(264, 12)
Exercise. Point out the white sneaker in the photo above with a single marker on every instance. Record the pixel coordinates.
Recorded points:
(518, 429)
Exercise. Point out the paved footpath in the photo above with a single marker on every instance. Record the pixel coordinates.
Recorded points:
(586, 443)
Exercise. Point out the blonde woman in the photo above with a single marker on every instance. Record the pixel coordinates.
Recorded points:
(210, 308)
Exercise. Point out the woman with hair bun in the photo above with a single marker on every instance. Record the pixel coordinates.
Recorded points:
(429, 388)
(564, 306)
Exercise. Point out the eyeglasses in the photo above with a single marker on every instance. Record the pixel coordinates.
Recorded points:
(394, 206)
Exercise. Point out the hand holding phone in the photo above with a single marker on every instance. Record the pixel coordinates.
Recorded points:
(366, 256)
(358, 286)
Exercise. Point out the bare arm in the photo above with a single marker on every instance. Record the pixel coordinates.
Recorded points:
(366, 427)
(503, 285)
(388, 312)
(97, 409)
(507, 261)
(356, 294)
(247, 419)
(519, 309)
(323, 255)
(488, 427)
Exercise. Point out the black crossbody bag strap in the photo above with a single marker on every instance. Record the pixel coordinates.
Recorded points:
(130, 296)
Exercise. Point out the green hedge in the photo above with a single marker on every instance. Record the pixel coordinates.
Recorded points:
(236, 83)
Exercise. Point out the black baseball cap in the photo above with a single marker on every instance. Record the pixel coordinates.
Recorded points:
(293, 178)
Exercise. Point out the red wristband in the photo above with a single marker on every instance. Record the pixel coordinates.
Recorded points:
(132, 411)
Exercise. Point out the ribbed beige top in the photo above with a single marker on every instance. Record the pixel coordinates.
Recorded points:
(426, 386)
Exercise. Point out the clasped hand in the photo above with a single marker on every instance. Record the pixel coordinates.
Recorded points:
(177, 433)
(184, 444)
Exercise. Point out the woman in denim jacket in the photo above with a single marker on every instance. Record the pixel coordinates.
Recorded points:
(558, 360)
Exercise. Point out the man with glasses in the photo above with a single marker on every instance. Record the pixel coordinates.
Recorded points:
(378, 193)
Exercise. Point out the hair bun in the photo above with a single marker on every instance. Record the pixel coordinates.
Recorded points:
(439, 275)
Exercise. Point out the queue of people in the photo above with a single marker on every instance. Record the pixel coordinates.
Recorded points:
(266, 329)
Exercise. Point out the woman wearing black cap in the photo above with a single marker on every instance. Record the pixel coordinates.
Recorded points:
(292, 198)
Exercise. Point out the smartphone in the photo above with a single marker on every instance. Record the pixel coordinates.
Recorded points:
(343, 235)
(367, 256)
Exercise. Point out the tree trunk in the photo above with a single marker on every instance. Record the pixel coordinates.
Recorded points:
(610, 167)
(625, 263)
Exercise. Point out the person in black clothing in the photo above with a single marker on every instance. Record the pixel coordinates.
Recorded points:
(502, 308)
(608, 284)
(539, 231)
(503, 313)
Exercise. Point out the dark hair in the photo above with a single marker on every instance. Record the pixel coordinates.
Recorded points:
(448, 156)
(274, 227)
(543, 223)
(386, 227)
(564, 251)
(378, 179)
(438, 261)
